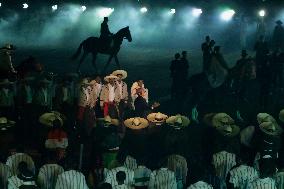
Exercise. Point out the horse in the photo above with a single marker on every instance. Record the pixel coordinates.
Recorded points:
(96, 45)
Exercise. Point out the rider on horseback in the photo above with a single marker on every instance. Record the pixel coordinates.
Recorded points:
(105, 33)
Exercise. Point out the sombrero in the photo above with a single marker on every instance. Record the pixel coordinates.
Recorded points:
(107, 121)
(5, 82)
(157, 118)
(178, 121)
(120, 72)
(281, 116)
(85, 81)
(8, 47)
(269, 128)
(48, 118)
(109, 77)
(221, 119)
(229, 130)
(136, 123)
(4, 123)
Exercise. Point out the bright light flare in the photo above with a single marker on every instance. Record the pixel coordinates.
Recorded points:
(0, 4)
(143, 10)
(196, 12)
(261, 13)
(25, 5)
(83, 8)
(54, 7)
(173, 11)
(227, 15)
(105, 12)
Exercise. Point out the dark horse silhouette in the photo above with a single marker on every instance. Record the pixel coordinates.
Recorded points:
(95, 45)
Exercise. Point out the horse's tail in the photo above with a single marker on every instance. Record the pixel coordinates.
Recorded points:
(78, 52)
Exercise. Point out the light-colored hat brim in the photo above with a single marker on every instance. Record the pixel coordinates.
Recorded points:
(120, 72)
(172, 121)
(109, 77)
(9, 123)
(105, 123)
(130, 124)
(217, 120)
(48, 118)
(276, 132)
(152, 118)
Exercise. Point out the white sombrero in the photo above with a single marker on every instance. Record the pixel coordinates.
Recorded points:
(269, 128)
(221, 119)
(178, 121)
(5, 123)
(157, 118)
(48, 118)
(120, 72)
(107, 121)
(109, 77)
(136, 123)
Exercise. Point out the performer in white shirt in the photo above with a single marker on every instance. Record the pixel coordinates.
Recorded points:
(137, 85)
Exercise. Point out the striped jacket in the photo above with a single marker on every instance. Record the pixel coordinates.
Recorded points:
(5, 173)
(162, 179)
(130, 163)
(104, 96)
(265, 183)
(48, 175)
(242, 175)
(279, 179)
(178, 165)
(223, 163)
(71, 180)
(142, 176)
(124, 92)
(111, 176)
(200, 185)
(14, 160)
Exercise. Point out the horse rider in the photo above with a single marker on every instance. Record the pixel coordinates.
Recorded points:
(105, 33)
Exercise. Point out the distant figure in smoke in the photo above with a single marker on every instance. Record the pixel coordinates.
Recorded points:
(261, 28)
(277, 68)
(207, 50)
(105, 33)
(6, 65)
(278, 36)
(243, 32)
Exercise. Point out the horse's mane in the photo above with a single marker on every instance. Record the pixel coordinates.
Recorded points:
(122, 30)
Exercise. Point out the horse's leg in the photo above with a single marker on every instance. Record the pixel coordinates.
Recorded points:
(81, 60)
(107, 64)
(117, 62)
(94, 61)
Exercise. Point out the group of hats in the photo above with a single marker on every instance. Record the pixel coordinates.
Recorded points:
(115, 75)
(48, 118)
(177, 121)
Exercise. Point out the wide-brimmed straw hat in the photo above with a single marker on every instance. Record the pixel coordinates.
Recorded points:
(281, 116)
(8, 47)
(157, 118)
(48, 118)
(107, 121)
(178, 121)
(221, 119)
(109, 77)
(270, 128)
(5, 123)
(228, 130)
(120, 72)
(136, 123)
(5, 82)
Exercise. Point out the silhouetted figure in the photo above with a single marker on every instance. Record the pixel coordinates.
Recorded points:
(105, 33)
(277, 68)
(219, 56)
(207, 50)
(278, 36)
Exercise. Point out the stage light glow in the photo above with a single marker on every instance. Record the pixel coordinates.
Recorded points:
(143, 10)
(83, 8)
(173, 11)
(196, 12)
(25, 5)
(227, 15)
(261, 13)
(0, 4)
(54, 7)
(105, 12)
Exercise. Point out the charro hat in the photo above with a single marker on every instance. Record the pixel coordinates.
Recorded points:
(48, 118)
(5, 123)
(109, 77)
(120, 72)
(279, 22)
(221, 119)
(157, 118)
(178, 121)
(107, 121)
(269, 128)
(136, 123)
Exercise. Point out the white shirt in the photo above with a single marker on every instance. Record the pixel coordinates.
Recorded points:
(98, 88)
(200, 185)
(5, 173)
(279, 179)
(48, 175)
(142, 176)
(242, 175)
(265, 183)
(44, 91)
(14, 160)
(223, 163)
(119, 85)
(162, 179)
(111, 176)
(111, 93)
(71, 180)
(130, 163)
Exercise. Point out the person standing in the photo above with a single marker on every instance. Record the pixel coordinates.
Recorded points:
(207, 50)
(278, 36)
(174, 73)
